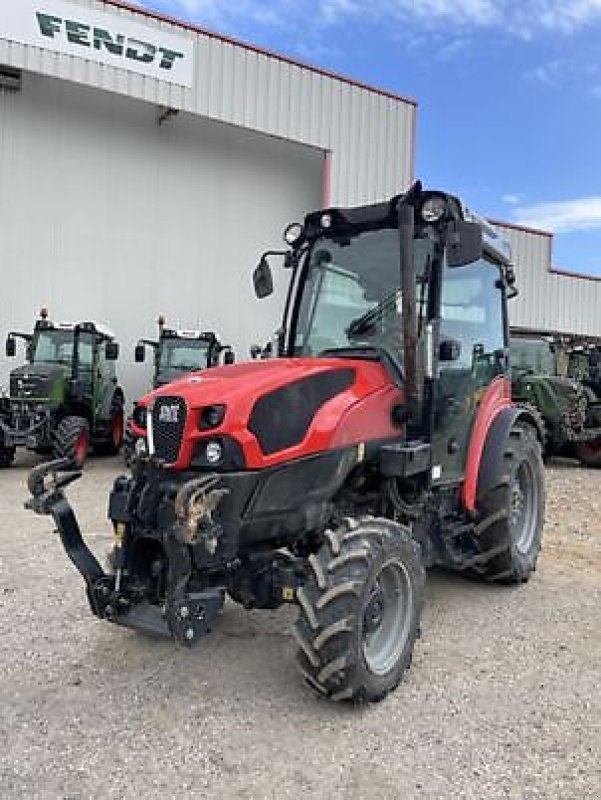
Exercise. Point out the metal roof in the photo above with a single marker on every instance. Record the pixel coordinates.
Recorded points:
(191, 26)
(366, 134)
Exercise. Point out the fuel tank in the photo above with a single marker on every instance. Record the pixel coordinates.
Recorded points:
(269, 412)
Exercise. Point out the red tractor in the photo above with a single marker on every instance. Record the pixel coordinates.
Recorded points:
(380, 441)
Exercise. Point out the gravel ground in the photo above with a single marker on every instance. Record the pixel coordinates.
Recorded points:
(503, 699)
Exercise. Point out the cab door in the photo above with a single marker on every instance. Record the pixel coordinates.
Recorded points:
(472, 318)
(104, 382)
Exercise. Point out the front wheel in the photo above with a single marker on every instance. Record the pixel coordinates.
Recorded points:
(360, 610)
(7, 456)
(72, 440)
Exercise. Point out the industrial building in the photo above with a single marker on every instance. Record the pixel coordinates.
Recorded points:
(147, 163)
(550, 300)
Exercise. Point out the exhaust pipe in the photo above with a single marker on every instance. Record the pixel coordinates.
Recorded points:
(406, 225)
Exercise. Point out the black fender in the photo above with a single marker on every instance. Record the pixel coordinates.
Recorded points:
(491, 463)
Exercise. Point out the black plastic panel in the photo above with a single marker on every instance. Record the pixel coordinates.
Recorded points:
(282, 418)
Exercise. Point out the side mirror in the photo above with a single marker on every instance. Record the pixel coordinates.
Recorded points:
(111, 351)
(140, 354)
(263, 279)
(464, 243)
(11, 347)
(229, 357)
(449, 350)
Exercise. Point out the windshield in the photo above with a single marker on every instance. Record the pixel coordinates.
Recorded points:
(186, 354)
(532, 355)
(55, 346)
(351, 296)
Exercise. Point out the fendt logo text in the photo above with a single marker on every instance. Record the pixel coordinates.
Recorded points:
(117, 44)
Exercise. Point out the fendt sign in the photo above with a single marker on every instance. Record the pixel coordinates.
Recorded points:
(99, 36)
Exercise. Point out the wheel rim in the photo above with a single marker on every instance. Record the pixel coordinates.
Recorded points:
(387, 618)
(81, 448)
(523, 511)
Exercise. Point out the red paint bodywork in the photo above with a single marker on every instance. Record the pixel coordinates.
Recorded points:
(361, 413)
(496, 398)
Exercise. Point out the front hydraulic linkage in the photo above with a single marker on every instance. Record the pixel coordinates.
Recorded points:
(46, 484)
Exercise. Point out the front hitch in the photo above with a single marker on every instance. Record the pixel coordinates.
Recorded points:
(46, 484)
(185, 615)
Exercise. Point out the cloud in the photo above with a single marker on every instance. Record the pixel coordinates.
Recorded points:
(562, 216)
(511, 199)
(522, 18)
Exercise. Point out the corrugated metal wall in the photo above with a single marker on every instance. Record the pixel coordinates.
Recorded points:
(369, 134)
(550, 301)
(106, 215)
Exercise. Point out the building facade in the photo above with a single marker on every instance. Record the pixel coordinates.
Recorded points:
(549, 301)
(145, 165)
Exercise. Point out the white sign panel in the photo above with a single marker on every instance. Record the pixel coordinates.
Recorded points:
(99, 36)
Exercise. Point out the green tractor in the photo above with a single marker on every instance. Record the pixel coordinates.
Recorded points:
(568, 411)
(66, 397)
(178, 352)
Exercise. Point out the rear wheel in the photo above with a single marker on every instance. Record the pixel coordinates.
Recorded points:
(360, 610)
(72, 440)
(589, 453)
(511, 513)
(114, 441)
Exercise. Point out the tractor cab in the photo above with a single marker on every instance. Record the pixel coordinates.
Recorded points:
(177, 352)
(66, 396)
(420, 289)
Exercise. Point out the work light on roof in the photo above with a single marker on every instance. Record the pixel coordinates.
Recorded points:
(293, 233)
(434, 209)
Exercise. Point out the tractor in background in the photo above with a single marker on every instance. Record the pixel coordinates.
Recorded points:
(380, 440)
(176, 353)
(568, 410)
(66, 398)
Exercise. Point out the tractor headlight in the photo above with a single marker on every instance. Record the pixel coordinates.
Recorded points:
(326, 221)
(141, 447)
(434, 209)
(211, 417)
(213, 452)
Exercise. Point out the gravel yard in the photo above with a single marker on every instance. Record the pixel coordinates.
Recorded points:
(503, 699)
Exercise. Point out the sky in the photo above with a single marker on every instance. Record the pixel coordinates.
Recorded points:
(509, 93)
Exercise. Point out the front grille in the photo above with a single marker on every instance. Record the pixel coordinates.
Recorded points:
(27, 386)
(168, 424)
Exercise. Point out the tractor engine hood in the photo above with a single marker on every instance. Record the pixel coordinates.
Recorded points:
(36, 381)
(273, 410)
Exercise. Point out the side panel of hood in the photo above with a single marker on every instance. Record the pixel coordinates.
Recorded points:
(41, 380)
(284, 409)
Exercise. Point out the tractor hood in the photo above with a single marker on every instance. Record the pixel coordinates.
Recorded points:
(273, 410)
(240, 384)
(37, 381)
